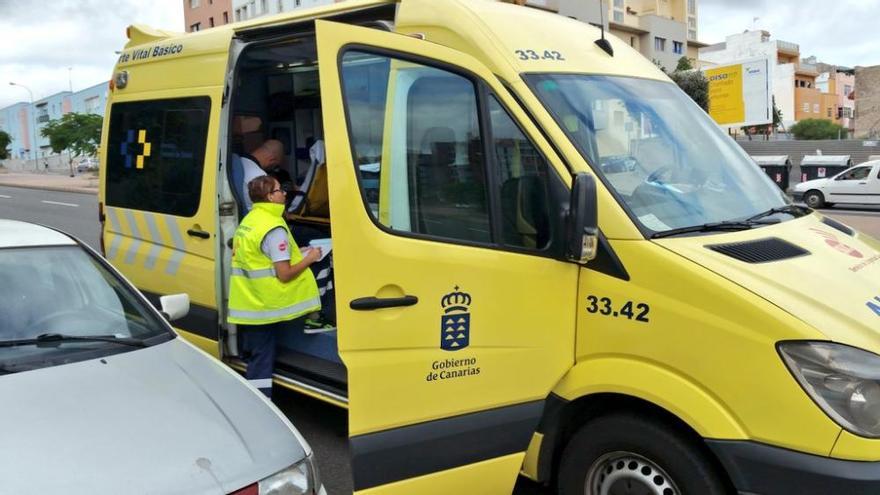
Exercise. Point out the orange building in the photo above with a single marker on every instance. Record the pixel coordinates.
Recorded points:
(204, 14)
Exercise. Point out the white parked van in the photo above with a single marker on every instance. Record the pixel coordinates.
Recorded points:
(858, 185)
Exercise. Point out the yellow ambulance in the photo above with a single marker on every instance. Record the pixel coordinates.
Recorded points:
(547, 260)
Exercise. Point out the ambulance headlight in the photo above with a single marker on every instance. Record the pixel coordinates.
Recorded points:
(842, 380)
(299, 479)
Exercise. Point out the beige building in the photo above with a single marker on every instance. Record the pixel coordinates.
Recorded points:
(205, 14)
(661, 30)
(867, 99)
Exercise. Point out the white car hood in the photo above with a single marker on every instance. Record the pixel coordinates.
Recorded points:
(163, 420)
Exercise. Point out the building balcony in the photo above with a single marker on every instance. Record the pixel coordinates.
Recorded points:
(42, 118)
(803, 69)
(788, 47)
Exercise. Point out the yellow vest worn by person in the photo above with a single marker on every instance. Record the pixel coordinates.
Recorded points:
(256, 296)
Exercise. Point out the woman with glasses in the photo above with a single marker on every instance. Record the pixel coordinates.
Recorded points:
(271, 288)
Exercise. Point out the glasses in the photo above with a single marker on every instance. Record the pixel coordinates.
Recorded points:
(273, 191)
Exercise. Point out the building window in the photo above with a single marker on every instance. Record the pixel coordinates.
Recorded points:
(244, 14)
(632, 41)
(847, 89)
(193, 4)
(677, 47)
(692, 23)
(264, 7)
(618, 16)
(210, 22)
(237, 14)
(280, 5)
(195, 27)
(692, 34)
(815, 108)
(297, 3)
(806, 108)
(829, 112)
(225, 18)
(692, 7)
(618, 4)
(659, 44)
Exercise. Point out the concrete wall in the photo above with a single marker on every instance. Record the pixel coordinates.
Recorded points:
(867, 102)
(584, 10)
(668, 29)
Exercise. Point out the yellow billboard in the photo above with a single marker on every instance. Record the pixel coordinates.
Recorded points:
(726, 104)
(739, 93)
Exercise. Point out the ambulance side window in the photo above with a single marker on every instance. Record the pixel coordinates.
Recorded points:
(522, 175)
(419, 147)
(155, 155)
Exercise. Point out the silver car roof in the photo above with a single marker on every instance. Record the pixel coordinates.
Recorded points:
(22, 234)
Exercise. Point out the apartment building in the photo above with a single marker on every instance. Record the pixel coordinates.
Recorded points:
(794, 80)
(205, 14)
(24, 122)
(836, 85)
(248, 9)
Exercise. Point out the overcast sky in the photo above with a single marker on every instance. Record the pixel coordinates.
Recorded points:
(41, 38)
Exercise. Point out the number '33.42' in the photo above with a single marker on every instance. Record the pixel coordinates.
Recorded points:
(629, 310)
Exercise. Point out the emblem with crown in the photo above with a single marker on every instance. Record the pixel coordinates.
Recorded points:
(455, 323)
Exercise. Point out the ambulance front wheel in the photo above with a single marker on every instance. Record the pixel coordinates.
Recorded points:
(628, 454)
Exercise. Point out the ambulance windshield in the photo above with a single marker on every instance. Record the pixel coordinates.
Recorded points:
(666, 160)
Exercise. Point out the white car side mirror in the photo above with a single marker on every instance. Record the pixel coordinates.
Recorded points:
(174, 306)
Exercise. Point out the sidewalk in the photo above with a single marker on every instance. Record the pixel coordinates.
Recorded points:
(81, 183)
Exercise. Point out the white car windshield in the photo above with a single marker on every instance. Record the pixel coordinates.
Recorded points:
(61, 305)
(669, 164)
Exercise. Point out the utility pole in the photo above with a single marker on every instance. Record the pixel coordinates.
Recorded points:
(33, 111)
(70, 78)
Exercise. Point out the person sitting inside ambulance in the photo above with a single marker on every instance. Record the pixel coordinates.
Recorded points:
(271, 288)
(263, 159)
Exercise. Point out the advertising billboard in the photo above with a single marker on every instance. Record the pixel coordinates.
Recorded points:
(739, 94)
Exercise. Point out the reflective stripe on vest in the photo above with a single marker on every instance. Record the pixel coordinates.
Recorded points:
(256, 296)
(267, 272)
(295, 309)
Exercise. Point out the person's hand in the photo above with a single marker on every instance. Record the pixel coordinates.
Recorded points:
(312, 255)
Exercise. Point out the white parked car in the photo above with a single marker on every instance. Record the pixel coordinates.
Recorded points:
(100, 396)
(857, 185)
(87, 165)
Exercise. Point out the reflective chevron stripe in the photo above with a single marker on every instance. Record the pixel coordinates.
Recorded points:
(155, 241)
(131, 253)
(179, 246)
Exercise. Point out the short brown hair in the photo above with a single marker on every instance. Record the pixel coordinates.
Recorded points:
(260, 188)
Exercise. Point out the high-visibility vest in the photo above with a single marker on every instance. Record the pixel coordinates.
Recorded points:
(256, 296)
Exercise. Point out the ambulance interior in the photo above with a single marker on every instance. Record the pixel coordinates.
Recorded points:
(277, 96)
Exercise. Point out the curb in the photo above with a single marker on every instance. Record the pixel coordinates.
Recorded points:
(69, 189)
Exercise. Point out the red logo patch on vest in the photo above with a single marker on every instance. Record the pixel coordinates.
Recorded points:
(282, 246)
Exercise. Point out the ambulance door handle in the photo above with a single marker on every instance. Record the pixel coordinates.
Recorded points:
(370, 303)
(201, 234)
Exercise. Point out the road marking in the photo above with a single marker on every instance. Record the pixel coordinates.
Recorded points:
(5, 196)
(59, 203)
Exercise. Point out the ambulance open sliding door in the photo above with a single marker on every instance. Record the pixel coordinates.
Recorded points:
(448, 324)
(161, 203)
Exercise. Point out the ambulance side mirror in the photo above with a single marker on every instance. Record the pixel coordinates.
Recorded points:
(174, 306)
(582, 240)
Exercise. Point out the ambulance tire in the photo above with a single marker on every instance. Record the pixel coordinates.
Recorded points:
(627, 450)
(814, 199)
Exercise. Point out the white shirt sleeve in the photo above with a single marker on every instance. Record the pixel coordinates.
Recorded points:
(316, 152)
(275, 245)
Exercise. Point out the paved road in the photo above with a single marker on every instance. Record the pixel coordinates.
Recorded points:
(72, 212)
(324, 426)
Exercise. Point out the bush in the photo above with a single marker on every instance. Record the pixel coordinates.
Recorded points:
(812, 129)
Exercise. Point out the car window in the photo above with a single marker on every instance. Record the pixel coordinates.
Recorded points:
(64, 290)
(858, 173)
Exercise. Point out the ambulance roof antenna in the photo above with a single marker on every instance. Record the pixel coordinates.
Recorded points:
(602, 42)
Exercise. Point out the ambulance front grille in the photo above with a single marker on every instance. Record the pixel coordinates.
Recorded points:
(760, 251)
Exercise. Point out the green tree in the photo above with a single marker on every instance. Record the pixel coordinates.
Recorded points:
(695, 84)
(5, 139)
(811, 129)
(684, 64)
(76, 133)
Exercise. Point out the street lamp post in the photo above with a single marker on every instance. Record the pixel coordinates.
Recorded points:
(33, 124)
